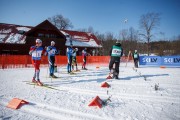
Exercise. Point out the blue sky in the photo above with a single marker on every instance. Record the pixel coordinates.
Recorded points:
(103, 15)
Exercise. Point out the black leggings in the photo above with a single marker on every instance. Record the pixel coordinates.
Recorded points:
(113, 61)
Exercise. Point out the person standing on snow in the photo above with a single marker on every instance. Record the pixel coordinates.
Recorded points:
(135, 58)
(74, 61)
(84, 54)
(36, 52)
(116, 52)
(51, 50)
(69, 52)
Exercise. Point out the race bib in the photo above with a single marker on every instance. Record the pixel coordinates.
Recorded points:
(36, 54)
(135, 56)
(52, 52)
(116, 52)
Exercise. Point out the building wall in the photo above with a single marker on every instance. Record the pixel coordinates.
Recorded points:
(13, 49)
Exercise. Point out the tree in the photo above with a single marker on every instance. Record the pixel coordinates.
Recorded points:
(90, 29)
(148, 22)
(60, 22)
(107, 40)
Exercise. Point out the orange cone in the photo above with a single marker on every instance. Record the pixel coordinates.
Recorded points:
(97, 67)
(105, 84)
(15, 103)
(96, 102)
(162, 66)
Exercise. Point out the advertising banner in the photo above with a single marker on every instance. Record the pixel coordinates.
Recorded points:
(150, 60)
(170, 61)
(160, 61)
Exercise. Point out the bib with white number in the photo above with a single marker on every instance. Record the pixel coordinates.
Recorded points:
(116, 51)
(51, 52)
(36, 54)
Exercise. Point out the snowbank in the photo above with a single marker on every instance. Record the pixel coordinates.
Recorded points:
(133, 95)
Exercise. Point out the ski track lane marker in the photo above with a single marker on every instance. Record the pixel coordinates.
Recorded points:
(165, 99)
(46, 111)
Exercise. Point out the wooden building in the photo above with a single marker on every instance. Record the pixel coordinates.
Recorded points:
(17, 39)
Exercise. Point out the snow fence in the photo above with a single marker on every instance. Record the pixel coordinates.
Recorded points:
(24, 61)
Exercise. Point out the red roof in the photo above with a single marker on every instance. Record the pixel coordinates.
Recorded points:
(81, 36)
(9, 31)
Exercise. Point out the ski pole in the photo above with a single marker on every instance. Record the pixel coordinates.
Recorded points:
(47, 73)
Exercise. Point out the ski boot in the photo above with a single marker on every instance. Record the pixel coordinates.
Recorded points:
(39, 83)
(34, 81)
(53, 76)
(115, 75)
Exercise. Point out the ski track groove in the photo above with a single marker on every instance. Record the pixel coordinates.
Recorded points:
(143, 97)
(165, 99)
(51, 112)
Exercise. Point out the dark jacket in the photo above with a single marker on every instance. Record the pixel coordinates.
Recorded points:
(117, 59)
(137, 57)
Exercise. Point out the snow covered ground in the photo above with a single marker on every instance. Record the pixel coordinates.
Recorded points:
(133, 95)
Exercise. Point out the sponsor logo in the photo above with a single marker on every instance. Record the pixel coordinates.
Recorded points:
(150, 60)
(172, 60)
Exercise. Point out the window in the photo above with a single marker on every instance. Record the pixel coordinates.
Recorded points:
(47, 35)
(53, 36)
(40, 35)
(21, 32)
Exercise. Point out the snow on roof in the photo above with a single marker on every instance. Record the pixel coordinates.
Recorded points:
(81, 39)
(10, 33)
(77, 43)
(5, 31)
(2, 36)
(15, 38)
(23, 28)
(64, 33)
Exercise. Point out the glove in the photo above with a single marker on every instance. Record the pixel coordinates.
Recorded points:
(34, 48)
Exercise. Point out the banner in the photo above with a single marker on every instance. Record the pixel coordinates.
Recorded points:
(150, 60)
(170, 61)
(160, 61)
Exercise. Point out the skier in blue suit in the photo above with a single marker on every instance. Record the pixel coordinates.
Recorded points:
(51, 50)
(69, 57)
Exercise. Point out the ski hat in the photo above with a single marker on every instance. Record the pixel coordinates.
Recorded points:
(38, 41)
(118, 42)
(76, 49)
(52, 43)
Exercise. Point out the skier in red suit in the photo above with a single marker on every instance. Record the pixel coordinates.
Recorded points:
(36, 53)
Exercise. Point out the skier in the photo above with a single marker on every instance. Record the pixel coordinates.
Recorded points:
(116, 52)
(51, 50)
(136, 58)
(69, 57)
(84, 54)
(74, 61)
(36, 52)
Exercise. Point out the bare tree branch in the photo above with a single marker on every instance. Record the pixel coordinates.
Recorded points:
(60, 22)
(148, 22)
